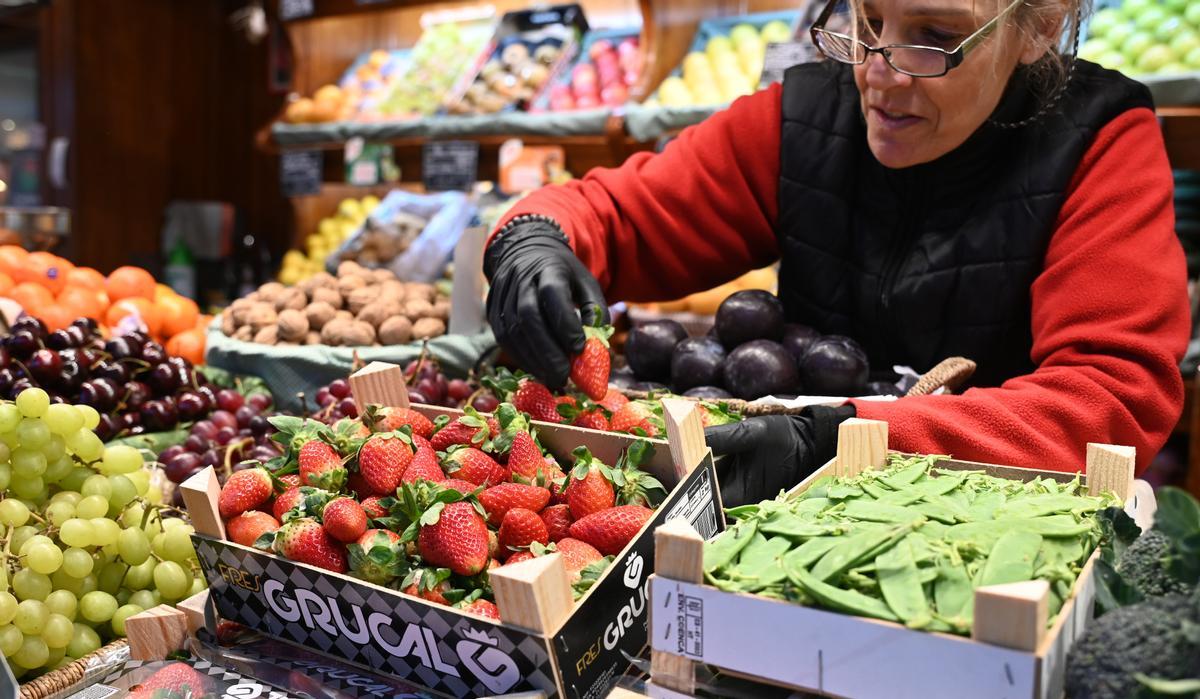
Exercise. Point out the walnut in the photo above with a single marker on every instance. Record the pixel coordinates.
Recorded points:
(270, 291)
(418, 308)
(290, 298)
(382, 276)
(393, 291)
(344, 315)
(350, 268)
(260, 316)
(377, 312)
(319, 313)
(293, 325)
(335, 331)
(346, 285)
(426, 328)
(329, 296)
(320, 280)
(361, 298)
(227, 325)
(360, 334)
(244, 333)
(267, 336)
(396, 330)
(441, 310)
(238, 309)
(417, 290)
(313, 338)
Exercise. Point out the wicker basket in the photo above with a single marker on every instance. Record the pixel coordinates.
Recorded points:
(68, 677)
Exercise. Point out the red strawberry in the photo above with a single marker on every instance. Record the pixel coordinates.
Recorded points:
(382, 461)
(590, 488)
(471, 464)
(610, 530)
(613, 400)
(520, 528)
(418, 441)
(286, 501)
(246, 528)
(425, 584)
(357, 485)
(518, 557)
(458, 540)
(577, 555)
(379, 567)
(534, 398)
(557, 482)
(373, 507)
(469, 429)
(591, 420)
(306, 541)
(635, 416)
(344, 519)
(589, 369)
(424, 466)
(464, 487)
(320, 466)
(175, 680)
(499, 499)
(525, 457)
(493, 426)
(483, 608)
(245, 490)
(395, 418)
(291, 480)
(558, 521)
(566, 400)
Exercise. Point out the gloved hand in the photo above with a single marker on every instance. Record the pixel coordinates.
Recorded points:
(537, 285)
(767, 454)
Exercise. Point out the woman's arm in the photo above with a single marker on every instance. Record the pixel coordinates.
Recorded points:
(1110, 324)
(698, 214)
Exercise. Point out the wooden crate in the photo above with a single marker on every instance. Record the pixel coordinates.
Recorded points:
(1012, 652)
(545, 641)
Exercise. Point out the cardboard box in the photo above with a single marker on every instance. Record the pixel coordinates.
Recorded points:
(1011, 653)
(544, 643)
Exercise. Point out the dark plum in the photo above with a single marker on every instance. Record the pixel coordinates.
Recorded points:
(708, 393)
(622, 377)
(648, 386)
(748, 315)
(696, 362)
(835, 366)
(798, 339)
(760, 368)
(650, 347)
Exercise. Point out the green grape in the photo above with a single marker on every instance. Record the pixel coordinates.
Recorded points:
(104, 531)
(33, 433)
(56, 657)
(34, 653)
(59, 630)
(11, 639)
(91, 418)
(123, 492)
(10, 417)
(76, 532)
(123, 596)
(153, 526)
(55, 449)
(132, 516)
(5, 474)
(31, 617)
(97, 606)
(10, 439)
(21, 535)
(121, 459)
(63, 419)
(110, 551)
(199, 584)
(134, 546)
(5, 452)
(31, 488)
(146, 599)
(87, 584)
(73, 481)
(58, 470)
(35, 540)
(96, 485)
(8, 607)
(171, 580)
(141, 576)
(28, 585)
(62, 581)
(123, 613)
(27, 463)
(92, 506)
(59, 512)
(86, 445)
(140, 480)
(84, 641)
(62, 602)
(175, 522)
(67, 496)
(156, 545)
(13, 513)
(33, 402)
(154, 496)
(111, 576)
(44, 558)
(77, 563)
(177, 545)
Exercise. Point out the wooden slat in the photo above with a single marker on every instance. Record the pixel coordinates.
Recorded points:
(156, 633)
(678, 555)
(200, 495)
(685, 434)
(193, 608)
(379, 383)
(1012, 615)
(533, 594)
(862, 445)
(1110, 468)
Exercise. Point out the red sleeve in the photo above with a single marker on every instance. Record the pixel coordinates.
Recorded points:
(1110, 324)
(697, 215)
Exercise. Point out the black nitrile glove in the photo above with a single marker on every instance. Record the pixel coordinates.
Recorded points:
(771, 453)
(537, 286)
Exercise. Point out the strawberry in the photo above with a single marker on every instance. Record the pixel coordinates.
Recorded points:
(634, 486)
(558, 521)
(306, 541)
(358, 486)
(287, 500)
(382, 460)
(344, 519)
(589, 368)
(520, 528)
(245, 490)
(613, 400)
(590, 488)
(464, 487)
(377, 566)
(320, 466)
(471, 464)
(638, 417)
(424, 466)
(499, 499)
(470, 429)
(175, 680)
(592, 420)
(493, 427)
(717, 414)
(393, 419)
(373, 507)
(525, 456)
(518, 557)
(483, 608)
(568, 401)
(247, 527)
(429, 585)
(534, 398)
(577, 555)
(610, 530)
(290, 480)
(456, 538)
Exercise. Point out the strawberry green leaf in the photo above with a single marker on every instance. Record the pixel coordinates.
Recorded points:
(432, 515)
(265, 541)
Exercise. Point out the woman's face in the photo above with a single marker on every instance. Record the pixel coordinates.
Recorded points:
(915, 120)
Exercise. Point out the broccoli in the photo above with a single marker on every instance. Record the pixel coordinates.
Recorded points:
(1151, 637)
(1144, 564)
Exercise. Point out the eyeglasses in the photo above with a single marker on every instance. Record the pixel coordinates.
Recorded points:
(917, 61)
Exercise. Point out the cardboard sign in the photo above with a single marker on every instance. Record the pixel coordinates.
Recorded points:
(448, 166)
(780, 57)
(295, 9)
(300, 172)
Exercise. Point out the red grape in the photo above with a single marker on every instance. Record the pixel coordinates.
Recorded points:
(340, 388)
(260, 401)
(229, 400)
(458, 390)
(223, 418)
(485, 403)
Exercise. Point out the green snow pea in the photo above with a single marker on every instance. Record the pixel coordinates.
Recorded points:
(856, 548)
(873, 511)
(953, 594)
(875, 490)
(759, 565)
(840, 600)
(985, 504)
(843, 491)
(1042, 505)
(1011, 559)
(1051, 525)
(810, 551)
(906, 476)
(719, 552)
(809, 506)
(900, 583)
(793, 527)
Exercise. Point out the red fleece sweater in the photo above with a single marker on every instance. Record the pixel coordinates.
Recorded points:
(1110, 312)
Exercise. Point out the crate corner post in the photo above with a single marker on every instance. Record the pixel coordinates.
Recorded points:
(1110, 467)
(1013, 615)
(685, 434)
(379, 383)
(156, 633)
(678, 555)
(862, 445)
(200, 495)
(534, 594)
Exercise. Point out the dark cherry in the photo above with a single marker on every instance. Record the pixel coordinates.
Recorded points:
(195, 443)
(163, 380)
(110, 426)
(116, 371)
(179, 363)
(230, 400)
(121, 348)
(78, 336)
(4, 356)
(138, 337)
(137, 394)
(158, 415)
(88, 356)
(191, 407)
(87, 325)
(208, 394)
(45, 365)
(18, 386)
(71, 377)
(98, 393)
(22, 344)
(33, 325)
(6, 380)
(154, 353)
(131, 419)
(58, 340)
(140, 429)
(259, 426)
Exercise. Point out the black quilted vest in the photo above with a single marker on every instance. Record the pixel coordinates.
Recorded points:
(934, 260)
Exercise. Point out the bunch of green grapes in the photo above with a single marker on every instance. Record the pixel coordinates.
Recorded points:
(85, 544)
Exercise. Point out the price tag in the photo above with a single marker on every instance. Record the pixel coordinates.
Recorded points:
(450, 165)
(300, 172)
(780, 57)
(295, 9)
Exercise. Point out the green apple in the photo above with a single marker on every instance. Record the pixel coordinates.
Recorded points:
(1192, 14)
(1113, 60)
(1150, 18)
(1136, 44)
(1174, 69)
(1177, 7)
(1192, 59)
(1104, 20)
(1092, 49)
(1184, 43)
(1167, 31)
(1154, 58)
(1118, 35)
(776, 32)
(743, 33)
(1133, 8)
(718, 45)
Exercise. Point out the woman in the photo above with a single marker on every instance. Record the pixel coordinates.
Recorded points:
(946, 184)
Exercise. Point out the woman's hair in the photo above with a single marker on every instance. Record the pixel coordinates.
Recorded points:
(1034, 19)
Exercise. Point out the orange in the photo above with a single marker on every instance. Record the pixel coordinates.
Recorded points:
(188, 344)
(55, 317)
(177, 313)
(32, 297)
(203, 321)
(86, 277)
(6, 284)
(82, 302)
(136, 305)
(162, 290)
(46, 269)
(12, 258)
(127, 282)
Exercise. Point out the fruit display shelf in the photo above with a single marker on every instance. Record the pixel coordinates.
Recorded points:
(544, 640)
(1013, 650)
